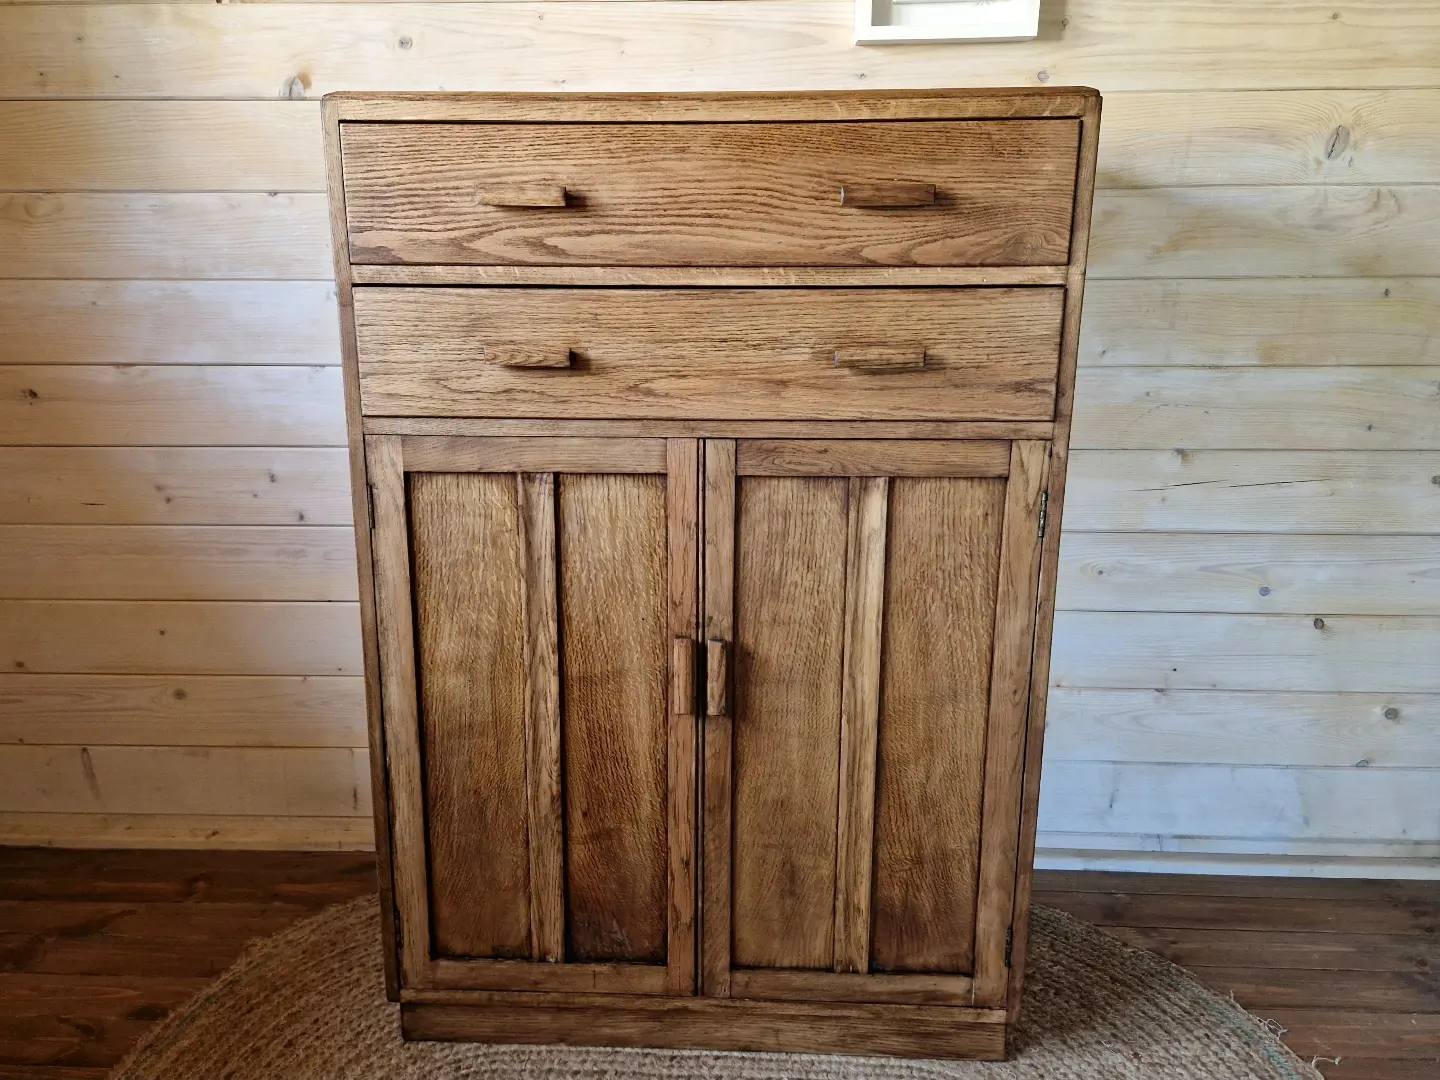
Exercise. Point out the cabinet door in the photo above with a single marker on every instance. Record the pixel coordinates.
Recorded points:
(869, 610)
(536, 607)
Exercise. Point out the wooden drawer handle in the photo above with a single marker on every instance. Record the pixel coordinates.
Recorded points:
(517, 357)
(886, 193)
(682, 677)
(717, 678)
(880, 357)
(521, 195)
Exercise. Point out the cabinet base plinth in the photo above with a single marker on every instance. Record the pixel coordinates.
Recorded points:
(715, 1024)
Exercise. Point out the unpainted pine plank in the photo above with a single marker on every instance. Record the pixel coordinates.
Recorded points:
(181, 710)
(1257, 802)
(1147, 650)
(1278, 322)
(140, 562)
(1326, 136)
(167, 322)
(275, 781)
(1250, 573)
(307, 50)
(170, 405)
(303, 879)
(161, 146)
(865, 553)
(1335, 231)
(1244, 727)
(940, 596)
(143, 485)
(1325, 408)
(188, 832)
(134, 235)
(468, 575)
(120, 637)
(615, 640)
(535, 499)
(1182, 490)
(788, 653)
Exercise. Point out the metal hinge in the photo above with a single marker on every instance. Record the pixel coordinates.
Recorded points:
(1009, 944)
(1044, 513)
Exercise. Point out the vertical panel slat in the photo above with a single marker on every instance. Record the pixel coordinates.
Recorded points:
(859, 716)
(536, 499)
(719, 587)
(385, 468)
(1009, 704)
(940, 592)
(789, 618)
(615, 647)
(682, 491)
(468, 579)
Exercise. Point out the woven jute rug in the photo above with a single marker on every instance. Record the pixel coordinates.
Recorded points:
(308, 1004)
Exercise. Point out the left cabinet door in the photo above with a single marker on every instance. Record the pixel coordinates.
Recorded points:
(536, 613)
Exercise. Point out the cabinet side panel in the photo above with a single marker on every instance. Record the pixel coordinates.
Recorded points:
(614, 645)
(790, 604)
(939, 617)
(468, 576)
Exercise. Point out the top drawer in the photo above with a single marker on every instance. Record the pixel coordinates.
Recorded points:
(872, 193)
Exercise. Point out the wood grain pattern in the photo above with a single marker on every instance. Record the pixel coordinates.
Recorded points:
(167, 322)
(940, 596)
(817, 986)
(712, 429)
(1118, 44)
(506, 454)
(732, 277)
(712, 354)
(789, 609)
(1250, 573)
(615, 641)
(471, 678)
(866, 542)
(540, 654)
(146, 485)
(156, 562)
(862, 457)
(63, 404)
(718, 194)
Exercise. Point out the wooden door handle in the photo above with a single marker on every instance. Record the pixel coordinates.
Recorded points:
(883, 194)
(521, 195)
(880, 357)
(522, 356)
(682, 677)
(717, 678)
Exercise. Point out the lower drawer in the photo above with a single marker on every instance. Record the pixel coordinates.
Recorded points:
(723, 354)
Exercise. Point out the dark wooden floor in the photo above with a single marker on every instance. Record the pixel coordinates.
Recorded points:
(97, 946)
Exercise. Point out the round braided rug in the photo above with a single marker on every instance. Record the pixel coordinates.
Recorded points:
(309, 1004)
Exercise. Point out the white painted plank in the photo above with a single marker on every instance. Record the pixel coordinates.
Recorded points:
(307, 781)
(124, 485)
(1219, 800)
(196, 638)
(164, 562)
(1243, 727)
(1142, 650)
(1282, 322)
(182, 710)
(1323, 408)
(1254, 491)
(1250, 573)
(168, 322)
(267, 50)
(74, 405)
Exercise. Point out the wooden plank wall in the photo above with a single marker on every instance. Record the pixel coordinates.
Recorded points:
(1246, 660)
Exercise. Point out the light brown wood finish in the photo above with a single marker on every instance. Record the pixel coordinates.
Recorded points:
(734, 277)
(862, 457)
(713, 429)
(767, 194)
(988, 354)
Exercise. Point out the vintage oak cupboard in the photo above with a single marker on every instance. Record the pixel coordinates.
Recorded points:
(707, 454)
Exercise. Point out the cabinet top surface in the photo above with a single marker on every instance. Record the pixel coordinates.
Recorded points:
(987, 103)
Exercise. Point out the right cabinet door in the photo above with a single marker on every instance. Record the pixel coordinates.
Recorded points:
(869, 615)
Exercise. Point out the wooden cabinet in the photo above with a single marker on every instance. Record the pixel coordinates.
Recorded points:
(708, 559)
